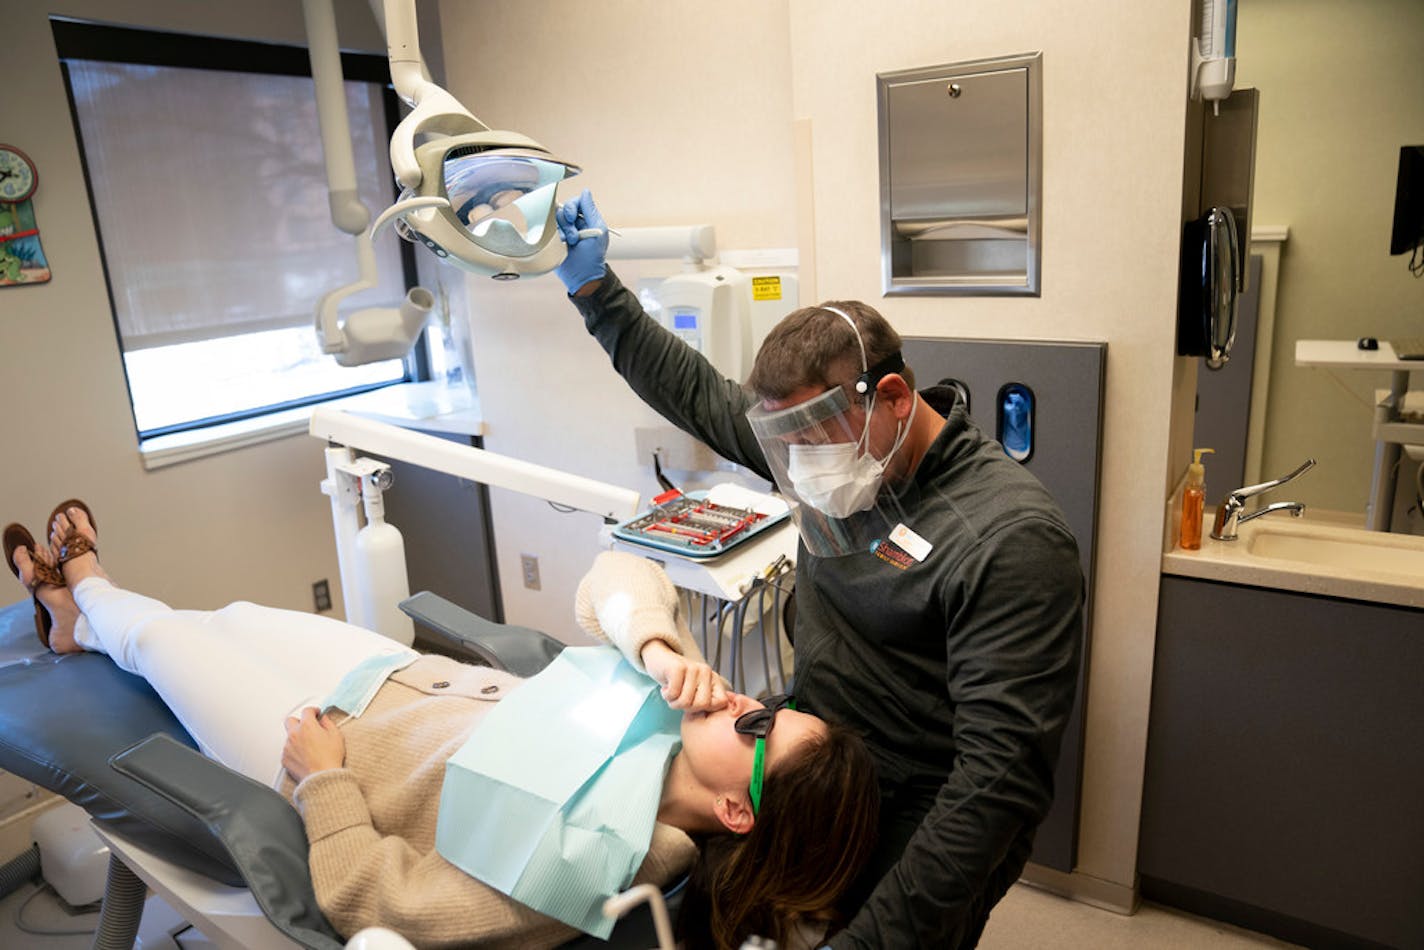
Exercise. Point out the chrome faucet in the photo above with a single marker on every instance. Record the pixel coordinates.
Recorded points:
(1228, 513)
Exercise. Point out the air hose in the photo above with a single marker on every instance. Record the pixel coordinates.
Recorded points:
(124, 893)
(20, 870)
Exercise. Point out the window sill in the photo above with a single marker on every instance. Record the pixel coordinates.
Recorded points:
(165, 450)
(431, 406)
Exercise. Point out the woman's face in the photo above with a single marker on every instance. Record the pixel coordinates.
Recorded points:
(721, 757)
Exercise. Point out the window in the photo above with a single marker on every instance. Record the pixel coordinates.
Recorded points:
(208, 184)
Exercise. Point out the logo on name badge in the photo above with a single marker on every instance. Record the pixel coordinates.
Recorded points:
(903, 548)
(890, 553)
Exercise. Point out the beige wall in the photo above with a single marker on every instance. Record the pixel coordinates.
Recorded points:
(1340, 93)
(684, 112)
(248, 524)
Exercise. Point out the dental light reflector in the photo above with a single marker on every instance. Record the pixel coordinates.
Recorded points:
(485, 208)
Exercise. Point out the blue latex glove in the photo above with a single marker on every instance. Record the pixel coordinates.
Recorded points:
(584, 261)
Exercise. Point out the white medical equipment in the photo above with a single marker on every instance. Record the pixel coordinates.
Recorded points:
(1214, 52)
(373, 333)
(479, 198)
(710, 310)
(720, 311)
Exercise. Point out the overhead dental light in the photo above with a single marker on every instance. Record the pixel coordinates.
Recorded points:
(479, 198)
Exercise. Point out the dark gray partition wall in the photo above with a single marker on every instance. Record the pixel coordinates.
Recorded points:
(1066, 380)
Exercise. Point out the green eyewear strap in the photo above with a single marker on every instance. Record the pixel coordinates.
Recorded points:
(759, 767)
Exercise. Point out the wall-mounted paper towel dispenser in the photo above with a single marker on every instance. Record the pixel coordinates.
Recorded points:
(960, 177)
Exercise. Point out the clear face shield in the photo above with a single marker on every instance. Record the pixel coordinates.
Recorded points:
(820, 457)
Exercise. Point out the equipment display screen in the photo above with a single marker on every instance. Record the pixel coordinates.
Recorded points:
(684, 320)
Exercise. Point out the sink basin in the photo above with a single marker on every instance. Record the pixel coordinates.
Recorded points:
(1371, 552)
(1320, 553)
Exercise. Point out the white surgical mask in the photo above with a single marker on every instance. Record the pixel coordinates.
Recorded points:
(838, 479)
(835, 479)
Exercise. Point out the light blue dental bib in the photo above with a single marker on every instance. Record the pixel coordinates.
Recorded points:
(553, 799)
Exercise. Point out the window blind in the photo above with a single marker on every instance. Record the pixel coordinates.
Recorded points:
(209, 188)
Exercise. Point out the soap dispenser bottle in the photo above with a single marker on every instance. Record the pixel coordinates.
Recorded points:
(1193, 498)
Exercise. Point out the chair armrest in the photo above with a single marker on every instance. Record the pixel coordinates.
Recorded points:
(522, 651)
(261, 831)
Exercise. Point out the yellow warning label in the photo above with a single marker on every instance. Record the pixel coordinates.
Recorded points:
(766, 288)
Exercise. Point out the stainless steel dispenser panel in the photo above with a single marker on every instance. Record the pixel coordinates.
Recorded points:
(960, 158)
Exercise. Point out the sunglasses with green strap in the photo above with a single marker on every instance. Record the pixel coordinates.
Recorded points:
(758, 723)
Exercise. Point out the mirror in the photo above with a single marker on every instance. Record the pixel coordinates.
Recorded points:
(1339, 95)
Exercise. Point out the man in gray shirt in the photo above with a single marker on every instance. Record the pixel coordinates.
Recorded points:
(939, 596)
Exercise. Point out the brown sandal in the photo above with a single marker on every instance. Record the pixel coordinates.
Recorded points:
(17, 537)
(75, 543)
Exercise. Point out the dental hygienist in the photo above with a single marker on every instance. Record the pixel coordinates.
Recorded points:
(938, 588)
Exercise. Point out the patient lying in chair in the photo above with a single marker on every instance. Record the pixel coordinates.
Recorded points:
(356, 731)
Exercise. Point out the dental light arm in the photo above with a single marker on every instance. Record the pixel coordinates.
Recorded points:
(433, 109)
(375, 333)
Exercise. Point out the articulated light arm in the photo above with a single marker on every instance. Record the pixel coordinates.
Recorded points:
(433, 109)
(609, 502)
(375, 333)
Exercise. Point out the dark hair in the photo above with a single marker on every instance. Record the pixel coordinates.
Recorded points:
(819, 813)
(813, 346)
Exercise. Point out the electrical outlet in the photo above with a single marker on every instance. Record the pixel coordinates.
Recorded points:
(530, 564)
(321, 596)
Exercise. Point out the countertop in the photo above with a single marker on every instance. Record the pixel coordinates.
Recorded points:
(1388, 568)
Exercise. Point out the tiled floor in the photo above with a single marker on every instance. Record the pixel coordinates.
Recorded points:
(1027, 919)
(1032, 919)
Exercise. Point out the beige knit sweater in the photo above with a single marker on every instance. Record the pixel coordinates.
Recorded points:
(371, 824)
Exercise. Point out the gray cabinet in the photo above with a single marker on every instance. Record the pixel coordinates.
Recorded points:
(1285, 764)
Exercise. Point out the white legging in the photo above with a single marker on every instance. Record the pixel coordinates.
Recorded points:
(231, 676)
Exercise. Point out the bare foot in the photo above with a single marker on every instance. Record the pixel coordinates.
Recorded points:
(58, 602)
(66, 524)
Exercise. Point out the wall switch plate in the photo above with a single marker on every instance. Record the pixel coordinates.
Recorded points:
(321, 596)
(529, 564)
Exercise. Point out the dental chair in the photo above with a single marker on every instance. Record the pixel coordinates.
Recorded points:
(210, 842)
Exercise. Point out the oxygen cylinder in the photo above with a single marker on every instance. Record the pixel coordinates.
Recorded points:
(380, 574)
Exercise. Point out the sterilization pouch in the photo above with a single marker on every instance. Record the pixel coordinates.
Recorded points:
(554, 797)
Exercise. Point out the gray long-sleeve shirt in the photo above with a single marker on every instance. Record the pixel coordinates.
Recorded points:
(959, 668)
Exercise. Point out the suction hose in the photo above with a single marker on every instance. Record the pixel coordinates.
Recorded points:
(19, 871)
(124, 893)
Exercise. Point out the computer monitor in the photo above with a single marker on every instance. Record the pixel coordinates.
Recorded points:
(1409, 201)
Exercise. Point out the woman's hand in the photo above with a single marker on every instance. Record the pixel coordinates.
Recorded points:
(687, 684)
(314, 744)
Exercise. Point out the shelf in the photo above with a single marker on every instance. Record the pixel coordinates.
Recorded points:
(1346, 354)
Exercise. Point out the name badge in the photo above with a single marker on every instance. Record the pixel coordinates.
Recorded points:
(911, 543)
